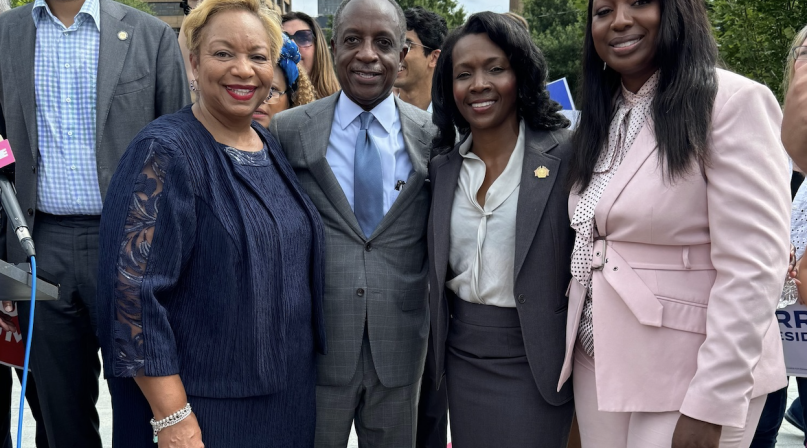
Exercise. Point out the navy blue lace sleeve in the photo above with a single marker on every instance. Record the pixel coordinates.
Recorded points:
(133, 258)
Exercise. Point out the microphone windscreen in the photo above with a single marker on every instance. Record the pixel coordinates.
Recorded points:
(6, 156)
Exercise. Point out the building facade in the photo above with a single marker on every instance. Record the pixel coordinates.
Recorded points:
(328, 7)
(171, 12)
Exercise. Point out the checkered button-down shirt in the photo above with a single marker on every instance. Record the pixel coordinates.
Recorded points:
(65, 71)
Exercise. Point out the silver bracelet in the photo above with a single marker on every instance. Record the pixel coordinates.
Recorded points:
(171, 420)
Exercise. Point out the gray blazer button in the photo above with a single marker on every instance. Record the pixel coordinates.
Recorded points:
(360, 292)
(521, 298)
(368, 247)
(30, 212)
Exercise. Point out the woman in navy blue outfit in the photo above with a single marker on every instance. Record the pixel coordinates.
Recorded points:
(210, 281)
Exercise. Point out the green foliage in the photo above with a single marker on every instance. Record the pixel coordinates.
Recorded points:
(557, 27)
(449, 9)
(755, 35)
(136, 4)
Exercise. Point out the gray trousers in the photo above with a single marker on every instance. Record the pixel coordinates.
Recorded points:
(64, 351)
(384, 417)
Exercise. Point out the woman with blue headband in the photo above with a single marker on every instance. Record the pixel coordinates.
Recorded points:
(291, 86)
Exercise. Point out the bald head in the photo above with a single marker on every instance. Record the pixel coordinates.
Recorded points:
(395, 8)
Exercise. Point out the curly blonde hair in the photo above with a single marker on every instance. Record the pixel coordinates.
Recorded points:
(200, 16)
(305, 92)
(790, 69)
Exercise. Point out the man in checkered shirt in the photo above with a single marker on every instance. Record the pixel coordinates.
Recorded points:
(78, 80)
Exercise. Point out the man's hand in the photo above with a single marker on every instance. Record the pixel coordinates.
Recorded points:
(691, 433)
(794, 123)
(5, 319)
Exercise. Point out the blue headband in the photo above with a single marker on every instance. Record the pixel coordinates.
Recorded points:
(289, 57)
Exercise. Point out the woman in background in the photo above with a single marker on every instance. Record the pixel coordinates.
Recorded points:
(499, 240)
(681, 205)
(315, 52)
(290, 85)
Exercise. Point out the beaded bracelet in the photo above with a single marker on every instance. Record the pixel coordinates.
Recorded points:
(171, 420)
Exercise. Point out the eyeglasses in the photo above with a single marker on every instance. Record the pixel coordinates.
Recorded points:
(799, 53)
(303, 38)
(408, 44)
(274, 96)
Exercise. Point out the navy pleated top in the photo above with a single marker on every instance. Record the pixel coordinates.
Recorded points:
(211, 260)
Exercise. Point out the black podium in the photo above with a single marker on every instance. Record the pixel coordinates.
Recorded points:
(16, 282)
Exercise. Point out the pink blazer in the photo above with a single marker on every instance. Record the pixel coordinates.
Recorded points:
(692, 270)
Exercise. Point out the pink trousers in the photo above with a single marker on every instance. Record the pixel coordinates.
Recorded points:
(639, 429)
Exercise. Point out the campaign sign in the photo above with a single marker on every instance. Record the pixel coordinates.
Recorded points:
(12, 345)
(793, 329)
(559, 91)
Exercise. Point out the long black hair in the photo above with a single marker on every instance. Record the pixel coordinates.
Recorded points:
(534, 105)
(686, 55)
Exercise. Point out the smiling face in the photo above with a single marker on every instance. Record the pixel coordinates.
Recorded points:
(307, 52)
(417, 68)
(625, 35)
(368, 51)
(233, 69)
(485, 86)
(265, 112)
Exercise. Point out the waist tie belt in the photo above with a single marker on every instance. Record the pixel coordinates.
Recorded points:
(617, 261)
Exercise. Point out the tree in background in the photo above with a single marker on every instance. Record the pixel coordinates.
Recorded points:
(755, 36)
(449, 9)
(136, 4)
(557, 28)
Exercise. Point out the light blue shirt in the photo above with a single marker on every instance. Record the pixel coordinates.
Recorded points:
(385, 130)
(65, 73)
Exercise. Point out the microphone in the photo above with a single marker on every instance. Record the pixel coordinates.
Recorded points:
(8, 199)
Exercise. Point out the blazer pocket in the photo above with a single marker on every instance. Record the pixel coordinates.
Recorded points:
(683, 315)
(413, 299)
(134, 83)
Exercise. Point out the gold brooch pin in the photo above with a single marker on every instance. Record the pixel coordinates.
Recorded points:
(123, 35)
(542, 172)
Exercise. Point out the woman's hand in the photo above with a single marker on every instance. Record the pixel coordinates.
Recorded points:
(801, 281)
(185, 434)
(691, 433)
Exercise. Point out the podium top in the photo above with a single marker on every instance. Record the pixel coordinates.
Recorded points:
(16, 281)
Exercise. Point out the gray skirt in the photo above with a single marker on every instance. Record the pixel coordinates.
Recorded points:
(492, 397)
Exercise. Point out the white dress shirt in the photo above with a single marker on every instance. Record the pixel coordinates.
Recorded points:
(483, 239)
(385, 130)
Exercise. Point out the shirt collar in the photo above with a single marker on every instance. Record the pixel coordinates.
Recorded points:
(465, 147)
(347, 111)
(645, 94)
(91, 8)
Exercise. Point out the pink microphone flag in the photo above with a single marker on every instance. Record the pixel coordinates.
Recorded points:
(6, 156)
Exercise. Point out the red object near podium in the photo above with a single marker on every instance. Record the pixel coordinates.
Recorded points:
(12, 345)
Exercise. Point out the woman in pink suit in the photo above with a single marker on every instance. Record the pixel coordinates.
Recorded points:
(680, 200)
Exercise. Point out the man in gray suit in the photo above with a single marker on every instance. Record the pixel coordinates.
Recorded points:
(78, 80)
(362, 156)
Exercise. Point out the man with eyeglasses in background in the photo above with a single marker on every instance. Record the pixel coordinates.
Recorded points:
(425, 32)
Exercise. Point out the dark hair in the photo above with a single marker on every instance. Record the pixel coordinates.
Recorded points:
(533, 103)
(337, 19)
(686, 56)
(430, 27)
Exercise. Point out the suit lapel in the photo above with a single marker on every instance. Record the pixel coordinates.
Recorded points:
(534, 191)
(315, 137)
(642, 147)
(26, 30)
(418, 149)
(444, 184)
(111, 55)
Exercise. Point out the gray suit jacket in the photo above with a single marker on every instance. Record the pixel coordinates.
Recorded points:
(139, 79)
(544, 242)
(381, 279)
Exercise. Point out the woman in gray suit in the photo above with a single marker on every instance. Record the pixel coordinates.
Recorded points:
(499, 240)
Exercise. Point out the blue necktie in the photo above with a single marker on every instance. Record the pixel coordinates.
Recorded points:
(368, 192)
